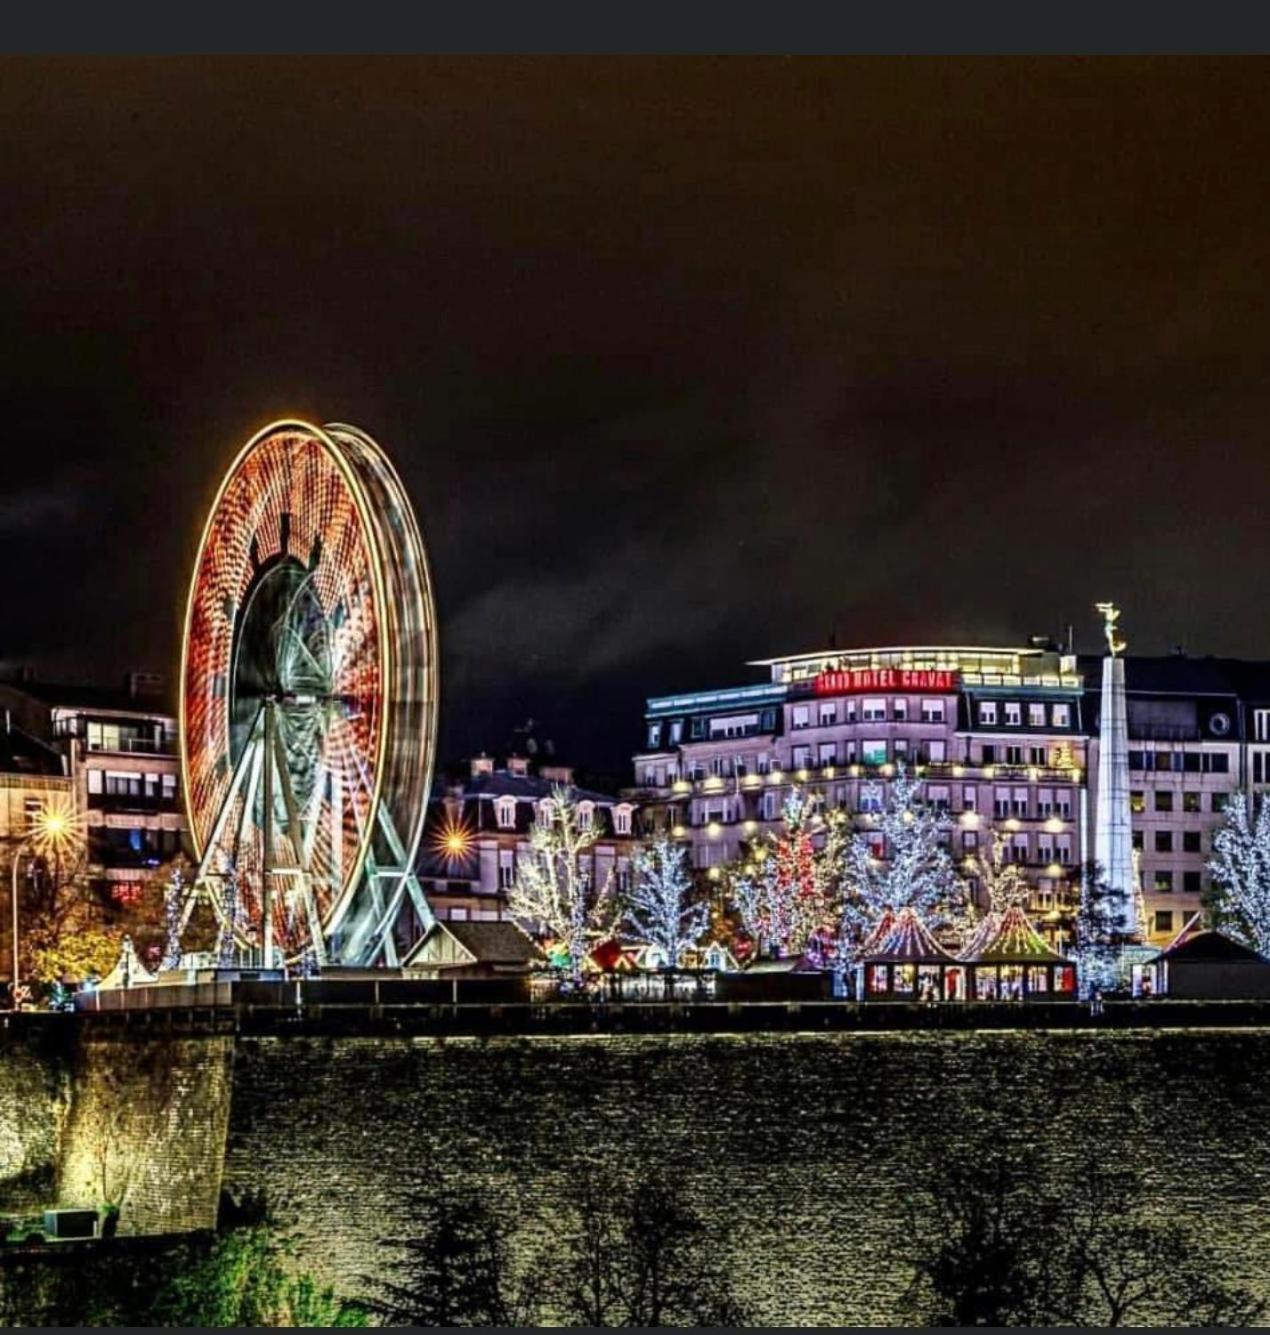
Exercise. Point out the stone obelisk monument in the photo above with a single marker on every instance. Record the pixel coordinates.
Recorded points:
(1113, 833)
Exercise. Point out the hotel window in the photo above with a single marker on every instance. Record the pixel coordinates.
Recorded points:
(1036, 755)
(1191, 841)
(901, 747)
(586, 812)
(1018, 848)
(873, 753)
(871, 797)
(1136, 837)
(802, 757)
(654, 735)
(939, 797)
(1044, 848)
(763, 765)
(1191, 762)
(1035, 716)
(94, 781)
(505, 811)
(623, 876)
(768, 806)
(970, 839)
(828, 715)
(1064, 849)
(717, 765)
(969, 796)
(988, 713)
(1164, 841)
(899, 710)
(1013, 755)
(1013, 714)
(1163, 799)
(1163, 881)
(937, 750)
(1164, 920)
(800, 717)
(1137, 760)
(1217, 763)
(676, 731)
(932, 711)
(1061, 716)
(1191, 882)
(1137, 801)
(1219, 802)
(873, 711)
(1258, 767)
(850, 712)
(1261, 724)
(827, 754)
(1018, 805)
(621, 820)
(1044, 802)
(546, 811)
(1190, 802)
(1063, 805)
(506, 870)
(1001, 803)
(988, 755)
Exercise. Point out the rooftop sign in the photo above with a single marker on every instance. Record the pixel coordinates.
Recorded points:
(852, 681)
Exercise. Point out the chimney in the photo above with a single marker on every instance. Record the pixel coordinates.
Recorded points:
(562, 774)
(482, 764)
(517, 765)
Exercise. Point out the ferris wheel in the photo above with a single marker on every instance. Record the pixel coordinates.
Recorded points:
(309, 700)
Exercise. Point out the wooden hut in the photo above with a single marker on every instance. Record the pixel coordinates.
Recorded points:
(1210, 966)
(907, 964)
(1007, 959)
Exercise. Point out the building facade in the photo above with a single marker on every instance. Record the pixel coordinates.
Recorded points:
(119, 752)
(1005, 739)
(478, 832)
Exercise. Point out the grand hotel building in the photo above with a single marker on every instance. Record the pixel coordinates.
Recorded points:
(1004, 739)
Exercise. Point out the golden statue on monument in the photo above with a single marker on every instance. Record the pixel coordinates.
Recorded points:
(1110, 615)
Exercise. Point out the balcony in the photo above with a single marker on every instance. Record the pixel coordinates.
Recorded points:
(134, 746)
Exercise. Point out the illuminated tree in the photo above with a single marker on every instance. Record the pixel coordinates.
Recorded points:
(234, 920)
(1004, 884)
(1098, 939)
(173, 896)
(661, 909)
(915, 868)
(787, 891)
(555, 893)
(1241, 870)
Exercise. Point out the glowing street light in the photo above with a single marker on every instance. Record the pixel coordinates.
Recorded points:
(55, 827)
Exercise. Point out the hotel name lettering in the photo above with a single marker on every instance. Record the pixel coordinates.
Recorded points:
(851, 681)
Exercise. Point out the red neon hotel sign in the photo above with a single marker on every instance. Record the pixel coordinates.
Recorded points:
(851, 681)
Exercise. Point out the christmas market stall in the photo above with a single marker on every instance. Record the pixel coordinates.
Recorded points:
(1007, 959)
(1209, 966)
(907, 964)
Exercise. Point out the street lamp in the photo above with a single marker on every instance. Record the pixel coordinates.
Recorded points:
(53, 829)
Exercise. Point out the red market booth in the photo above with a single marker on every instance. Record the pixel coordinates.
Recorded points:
(1007, 959)
(908, 964)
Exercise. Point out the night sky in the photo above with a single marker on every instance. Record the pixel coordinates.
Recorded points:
(685, 362)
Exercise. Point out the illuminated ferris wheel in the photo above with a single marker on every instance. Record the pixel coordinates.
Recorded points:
(309, 699)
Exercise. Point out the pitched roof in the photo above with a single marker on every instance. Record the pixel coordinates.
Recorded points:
(908, 942)
(1015, 941)
(880, 931)
(1210, 948)
(493, 942)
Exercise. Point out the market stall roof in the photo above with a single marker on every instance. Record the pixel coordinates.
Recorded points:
(908, 942)
(881, 930)
(1210, 948)
(128, 970)
(1015, 941)
(983, 935)
(1192, 927)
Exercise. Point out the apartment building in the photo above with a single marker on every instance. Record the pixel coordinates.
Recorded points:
(478, 831)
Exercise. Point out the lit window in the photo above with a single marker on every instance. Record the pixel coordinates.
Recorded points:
(873, 753)
(505, 810)
(800, 717)
(622, 820)
(546, 811)
(506, 870)
(932, 711)
(586, 811)
(1013, 714)
(988, 713)
(1035, 716)
(94, 781)
(873, 710)
(900, 710)
(828, 715)
(1061, 716)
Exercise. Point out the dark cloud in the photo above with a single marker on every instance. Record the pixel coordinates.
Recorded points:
(685, 361)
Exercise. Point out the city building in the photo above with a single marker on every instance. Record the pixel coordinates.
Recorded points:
(478, 830)
(1005, 739)
(118, 750)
